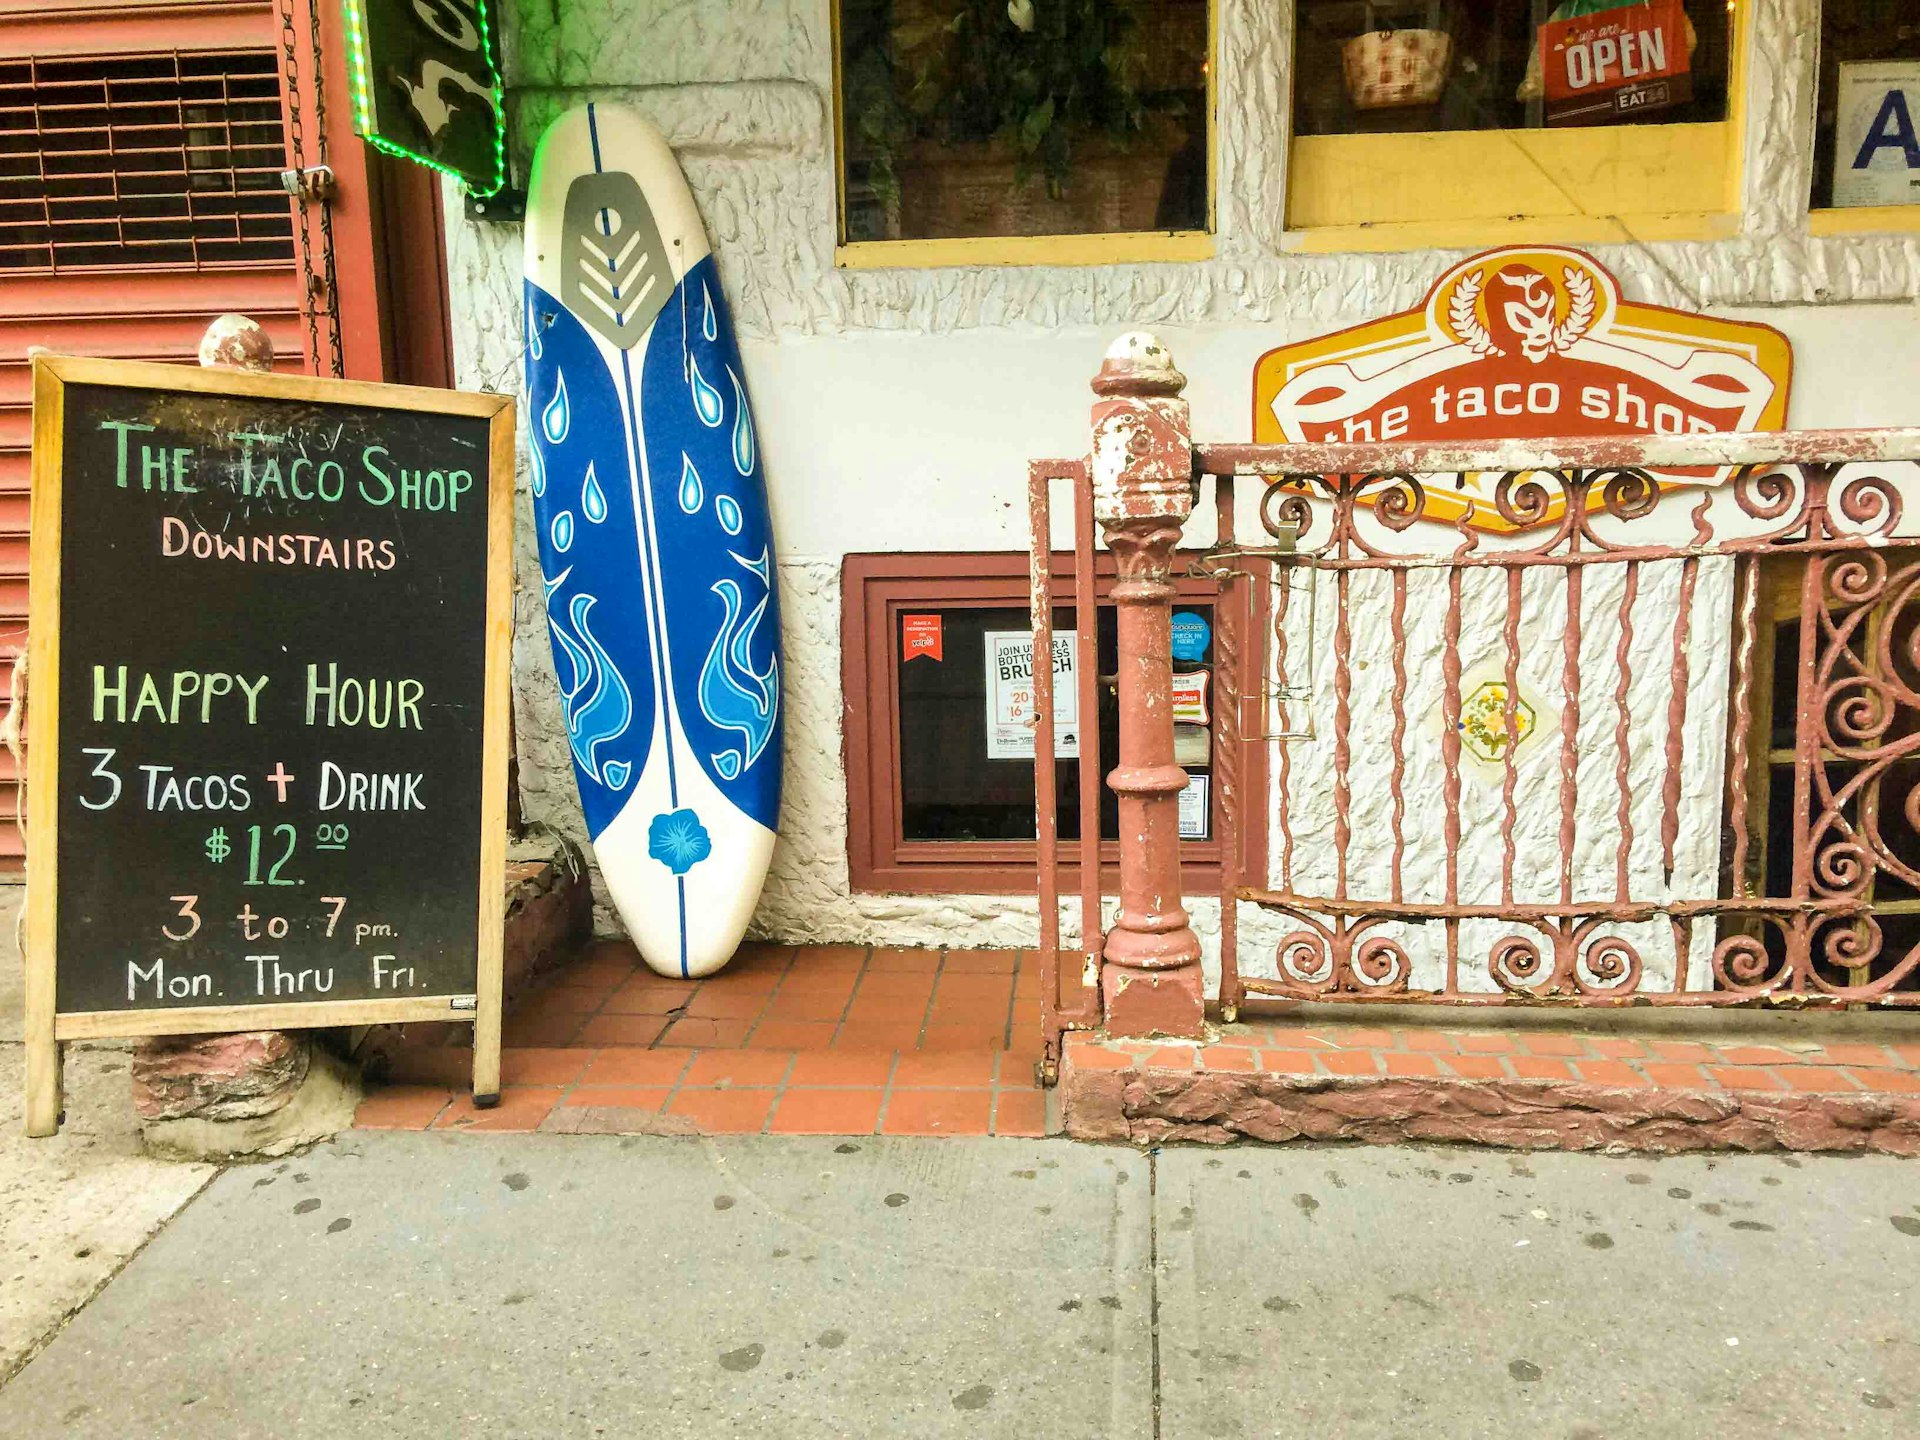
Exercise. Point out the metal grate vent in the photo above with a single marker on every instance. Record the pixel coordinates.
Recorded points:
(167, 161)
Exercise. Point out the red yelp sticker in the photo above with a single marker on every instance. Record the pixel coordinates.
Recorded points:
(920, 635)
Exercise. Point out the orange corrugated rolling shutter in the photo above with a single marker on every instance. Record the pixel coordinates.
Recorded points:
(140, 147)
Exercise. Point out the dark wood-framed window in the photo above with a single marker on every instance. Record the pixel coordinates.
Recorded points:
(928, 811)
(1868, 49)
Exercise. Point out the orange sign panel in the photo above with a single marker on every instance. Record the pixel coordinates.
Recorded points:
(1527, 342)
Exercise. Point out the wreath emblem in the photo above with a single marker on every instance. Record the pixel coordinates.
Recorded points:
(1539, 334)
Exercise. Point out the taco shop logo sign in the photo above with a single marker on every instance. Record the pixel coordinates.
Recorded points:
(1520, 344)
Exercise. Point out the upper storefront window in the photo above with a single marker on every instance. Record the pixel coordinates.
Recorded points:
(1424, 122)
(1007, 120)
(1867, 138)
(1367, 66)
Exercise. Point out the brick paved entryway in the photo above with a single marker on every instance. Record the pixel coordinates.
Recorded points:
(823, 1040)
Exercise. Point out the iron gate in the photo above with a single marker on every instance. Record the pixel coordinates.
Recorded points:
(1592, 722)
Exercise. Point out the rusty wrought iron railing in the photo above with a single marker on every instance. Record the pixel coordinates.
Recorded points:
(1056, 1013)
(1552, 758)
(1626, 720)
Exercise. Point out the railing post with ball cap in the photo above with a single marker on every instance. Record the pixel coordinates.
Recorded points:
(1144, 489)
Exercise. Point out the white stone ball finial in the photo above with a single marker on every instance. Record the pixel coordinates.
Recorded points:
(1137, 363)
(1143, 348)
(236, 342)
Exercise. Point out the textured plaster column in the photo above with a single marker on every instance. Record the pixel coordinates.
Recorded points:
(1143, 491)
(252, 1074)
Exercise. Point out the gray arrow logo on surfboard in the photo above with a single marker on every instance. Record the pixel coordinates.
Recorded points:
(614, 265)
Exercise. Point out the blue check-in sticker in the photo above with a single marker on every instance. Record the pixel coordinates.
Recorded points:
(1191, 636)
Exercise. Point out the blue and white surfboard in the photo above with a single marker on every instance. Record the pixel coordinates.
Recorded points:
(654, 538)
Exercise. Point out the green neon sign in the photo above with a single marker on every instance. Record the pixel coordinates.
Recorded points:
(426, 86)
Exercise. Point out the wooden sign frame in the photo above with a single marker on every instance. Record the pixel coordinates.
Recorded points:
(46, 1026)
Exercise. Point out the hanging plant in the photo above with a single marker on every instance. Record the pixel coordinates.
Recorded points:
(1032, 74)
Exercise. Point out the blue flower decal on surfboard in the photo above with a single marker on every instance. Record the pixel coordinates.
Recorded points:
(678, 841)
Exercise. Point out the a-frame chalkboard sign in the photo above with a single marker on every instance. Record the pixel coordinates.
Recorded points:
(267, 717)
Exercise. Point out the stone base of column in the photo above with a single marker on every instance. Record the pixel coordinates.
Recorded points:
(1144, 1003)
(241, 1076)
(258, 1092)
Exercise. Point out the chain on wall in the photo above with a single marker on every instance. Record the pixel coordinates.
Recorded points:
(311, 186)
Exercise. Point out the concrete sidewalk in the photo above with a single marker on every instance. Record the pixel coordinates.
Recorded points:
(75, 1208)
(544, 1285)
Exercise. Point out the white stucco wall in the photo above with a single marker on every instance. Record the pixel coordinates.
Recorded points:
(898, 408)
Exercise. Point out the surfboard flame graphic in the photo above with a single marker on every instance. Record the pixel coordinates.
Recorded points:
(607, 707)
(691, 492)
(593, 500)
(743, 446)
(557, 419)
(706, 400)
(733, 694)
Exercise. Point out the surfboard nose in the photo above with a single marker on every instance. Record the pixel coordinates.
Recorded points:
(701, 948)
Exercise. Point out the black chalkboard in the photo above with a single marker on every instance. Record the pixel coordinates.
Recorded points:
(271, 616)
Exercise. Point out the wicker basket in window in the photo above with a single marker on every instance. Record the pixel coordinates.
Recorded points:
(1387, 69)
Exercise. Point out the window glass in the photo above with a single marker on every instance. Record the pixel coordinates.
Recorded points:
(964, 773)
(1867, 147)
(1373, 66)
(969, 118)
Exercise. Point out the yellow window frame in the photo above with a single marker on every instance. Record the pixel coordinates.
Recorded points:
(1865, 220)
(1121, 248)
(1467, 188)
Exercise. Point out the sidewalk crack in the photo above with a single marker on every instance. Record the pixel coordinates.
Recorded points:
(53, 1331)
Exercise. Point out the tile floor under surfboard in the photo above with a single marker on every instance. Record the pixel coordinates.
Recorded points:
(786, 1040)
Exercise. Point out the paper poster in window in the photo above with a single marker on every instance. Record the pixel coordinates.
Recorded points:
(1876, 159)
(1190, 697)
(1193, 808)
(1010, 713)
